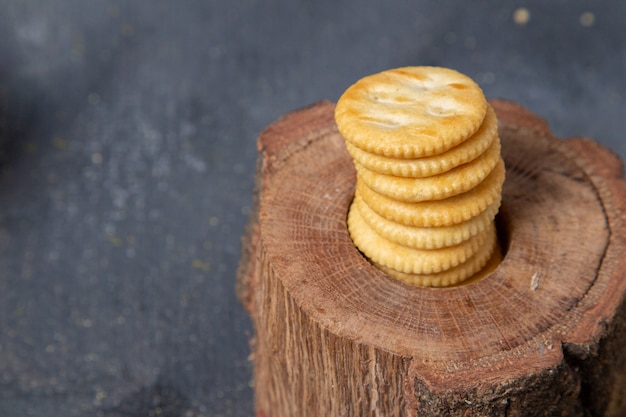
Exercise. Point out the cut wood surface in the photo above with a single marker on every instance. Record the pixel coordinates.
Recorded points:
(542, 335)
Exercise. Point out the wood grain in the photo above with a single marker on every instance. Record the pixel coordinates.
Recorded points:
(541, 335)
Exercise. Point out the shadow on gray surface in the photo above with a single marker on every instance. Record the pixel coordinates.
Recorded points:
(159, 400)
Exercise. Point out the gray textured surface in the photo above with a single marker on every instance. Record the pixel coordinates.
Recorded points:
(127, 150)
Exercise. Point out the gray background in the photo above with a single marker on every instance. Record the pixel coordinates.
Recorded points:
(127, 152)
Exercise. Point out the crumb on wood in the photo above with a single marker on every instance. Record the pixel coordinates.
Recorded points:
(534, 281)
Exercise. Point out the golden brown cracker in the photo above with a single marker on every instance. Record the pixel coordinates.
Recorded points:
(465, 152)
(438, 213)
(480, 264)
(425, 237)
(410, 112)
(409, 260)
(437, 187)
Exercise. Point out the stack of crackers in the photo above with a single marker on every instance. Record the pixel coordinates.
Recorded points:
(426, 149)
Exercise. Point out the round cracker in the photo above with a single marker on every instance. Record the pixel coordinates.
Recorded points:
(410, 112)
(480, 264)
(438, 213)
(437, 187)
(425, 237)
(467, 151)
(409, 260)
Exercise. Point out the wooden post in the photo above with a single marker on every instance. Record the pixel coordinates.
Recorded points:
(542, 335)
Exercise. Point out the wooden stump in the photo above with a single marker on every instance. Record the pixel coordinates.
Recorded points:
(543, 335)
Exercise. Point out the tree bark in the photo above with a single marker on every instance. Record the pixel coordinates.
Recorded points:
(542, 335)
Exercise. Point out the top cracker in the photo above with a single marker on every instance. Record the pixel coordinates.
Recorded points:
(410, 112)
